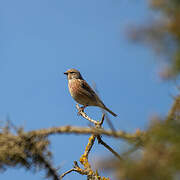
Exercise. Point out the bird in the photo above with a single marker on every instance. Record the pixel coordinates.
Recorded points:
(82, 93)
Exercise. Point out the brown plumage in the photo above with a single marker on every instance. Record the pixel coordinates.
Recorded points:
(82, 92)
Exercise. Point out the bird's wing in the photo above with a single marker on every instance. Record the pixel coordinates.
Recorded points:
(86, 89)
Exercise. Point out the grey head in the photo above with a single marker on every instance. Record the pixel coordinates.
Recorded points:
(73, 74)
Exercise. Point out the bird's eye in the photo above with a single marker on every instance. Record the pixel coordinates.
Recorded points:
(72, 72)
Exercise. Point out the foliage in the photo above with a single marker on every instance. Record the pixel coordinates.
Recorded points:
(158, 158)
(26, 150)
(162, 33)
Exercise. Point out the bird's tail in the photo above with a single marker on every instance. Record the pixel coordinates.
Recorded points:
(105, 108)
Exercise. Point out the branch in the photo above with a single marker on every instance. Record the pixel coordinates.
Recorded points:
(87, 170)
(84, 115)
(67, 172)
(131, 137)
(84, 158)
(97, 130)
(100, 141)
(75, 169)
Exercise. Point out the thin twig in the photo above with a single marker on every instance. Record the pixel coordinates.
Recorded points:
(100, 141)
(110, 124)
(75, 168)
(84, 115)
(67, 172)
(102, 120)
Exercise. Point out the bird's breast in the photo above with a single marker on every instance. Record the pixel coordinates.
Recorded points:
(73, 85)
(77, 92)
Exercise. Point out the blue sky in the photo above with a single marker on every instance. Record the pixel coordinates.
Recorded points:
(40, 39)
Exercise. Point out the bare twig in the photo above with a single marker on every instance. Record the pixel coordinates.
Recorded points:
(67, 172)
(76, 168)
(102, 120)
(100, 141)
(110, 124)
(84, 115)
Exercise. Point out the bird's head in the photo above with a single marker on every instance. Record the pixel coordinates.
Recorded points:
(73, 74)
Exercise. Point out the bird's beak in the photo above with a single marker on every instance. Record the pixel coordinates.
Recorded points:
(65, 73)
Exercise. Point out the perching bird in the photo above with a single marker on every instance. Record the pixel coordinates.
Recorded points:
(82, 92)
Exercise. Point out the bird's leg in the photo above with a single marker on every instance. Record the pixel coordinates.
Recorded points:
(81, 109)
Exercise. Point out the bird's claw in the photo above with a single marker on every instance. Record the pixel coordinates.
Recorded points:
(81, 109)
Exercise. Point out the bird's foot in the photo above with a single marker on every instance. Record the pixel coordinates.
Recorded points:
(81, 109)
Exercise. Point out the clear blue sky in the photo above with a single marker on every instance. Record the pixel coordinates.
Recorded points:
(40, 39)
